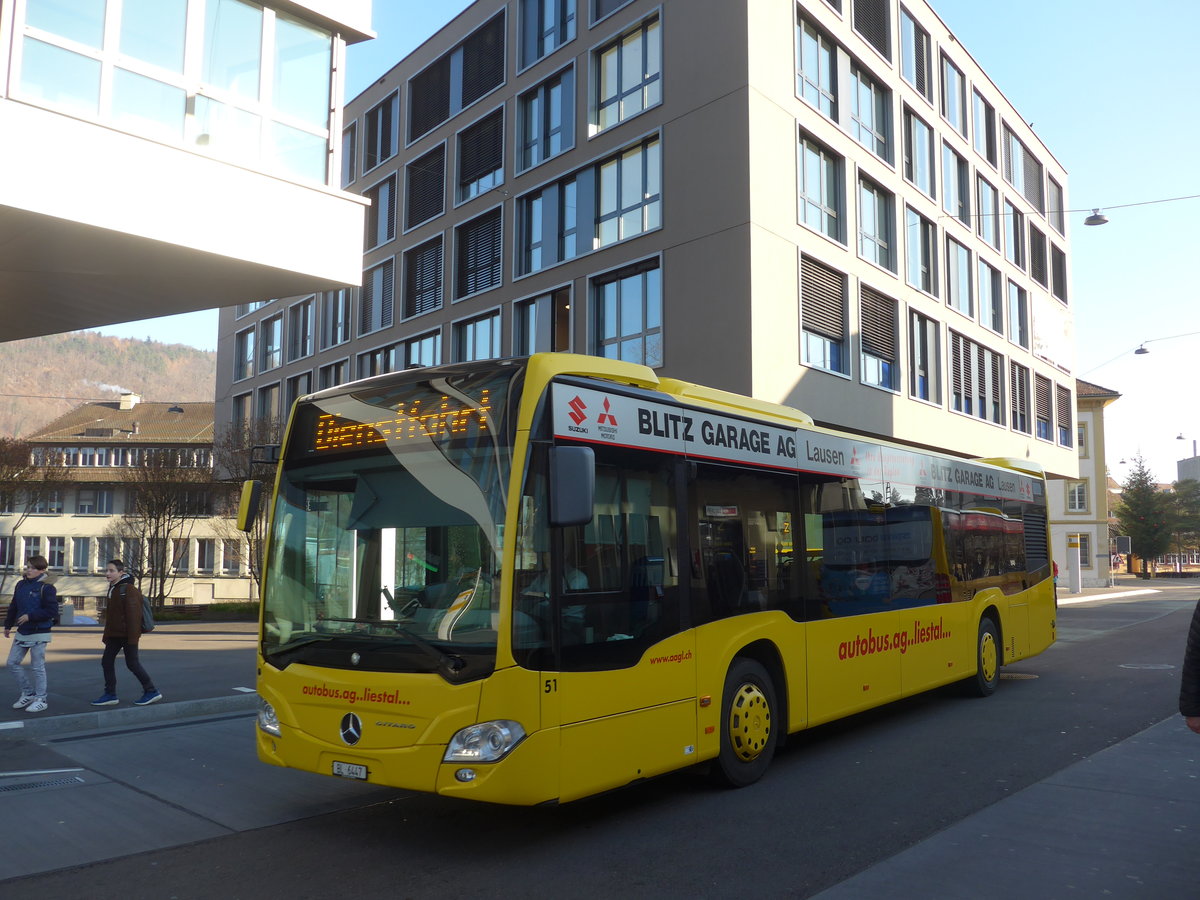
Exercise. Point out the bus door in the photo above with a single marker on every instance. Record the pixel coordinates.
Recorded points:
(620, 678)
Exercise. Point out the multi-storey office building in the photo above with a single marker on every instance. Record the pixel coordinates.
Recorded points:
(103, 454)
(825, 204)
(162, 156)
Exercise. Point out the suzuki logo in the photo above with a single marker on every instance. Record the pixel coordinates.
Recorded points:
(351, 729)
(606, 417)
(577, 408)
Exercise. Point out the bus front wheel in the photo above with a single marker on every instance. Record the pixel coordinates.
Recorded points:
(748, 723)
(987, 659)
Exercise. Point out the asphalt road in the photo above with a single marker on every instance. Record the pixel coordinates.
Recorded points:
(837, 800)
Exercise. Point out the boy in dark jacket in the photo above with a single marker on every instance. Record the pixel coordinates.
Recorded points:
(32, 612)
(122, 630)
(1189, 690)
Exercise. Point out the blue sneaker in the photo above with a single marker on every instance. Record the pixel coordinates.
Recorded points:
(106, 700)
(147, 698)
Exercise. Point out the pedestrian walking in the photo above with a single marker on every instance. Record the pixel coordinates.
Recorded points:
(32, 612)
(1189, 689)
(122, 631)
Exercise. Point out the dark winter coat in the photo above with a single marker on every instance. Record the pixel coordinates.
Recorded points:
(1189, 691)
(36, 599)
(123, 615)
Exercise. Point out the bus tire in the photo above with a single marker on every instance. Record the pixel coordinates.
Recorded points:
(748, 723)
(987, 659)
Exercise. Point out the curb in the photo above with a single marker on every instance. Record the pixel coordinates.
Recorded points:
(107, 719)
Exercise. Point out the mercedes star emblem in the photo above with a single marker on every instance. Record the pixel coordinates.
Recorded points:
(351, 729)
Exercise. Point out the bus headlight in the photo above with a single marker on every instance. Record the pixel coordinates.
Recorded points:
(485, 742)
(267, 720)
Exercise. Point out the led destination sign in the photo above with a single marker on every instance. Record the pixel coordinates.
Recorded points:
(584, 414)
(435, 419)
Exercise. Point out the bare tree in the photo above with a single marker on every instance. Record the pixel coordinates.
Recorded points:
(32, 479)
(166, 494)
(237, 460)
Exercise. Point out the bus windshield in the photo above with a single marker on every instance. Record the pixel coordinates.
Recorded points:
(386, 533)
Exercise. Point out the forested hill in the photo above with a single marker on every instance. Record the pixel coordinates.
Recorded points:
(42, 378)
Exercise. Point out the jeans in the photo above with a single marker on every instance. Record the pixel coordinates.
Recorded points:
(37, 661)
(113, 646)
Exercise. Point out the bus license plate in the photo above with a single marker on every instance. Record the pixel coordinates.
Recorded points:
(350, 770)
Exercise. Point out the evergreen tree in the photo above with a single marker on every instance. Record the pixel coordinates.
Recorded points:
(1147, 515)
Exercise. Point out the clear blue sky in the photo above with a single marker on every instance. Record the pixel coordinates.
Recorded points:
(1111, 93)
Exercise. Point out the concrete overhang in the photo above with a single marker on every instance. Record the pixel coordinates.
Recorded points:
(98, 226)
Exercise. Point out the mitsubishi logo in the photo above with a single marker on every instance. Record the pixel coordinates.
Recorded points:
(607, 417)
(577, 408)
(351, 729)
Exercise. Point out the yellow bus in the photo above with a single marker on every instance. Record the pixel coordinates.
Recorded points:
(531, 580)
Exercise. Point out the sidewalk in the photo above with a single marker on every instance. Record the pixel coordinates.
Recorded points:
(200, 668)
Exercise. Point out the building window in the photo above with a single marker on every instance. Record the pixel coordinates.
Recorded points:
(1057, 211)
(423, 278)
(300, 329)
(545, 26)
(270, 333)
(381, 132)
(94, 502)
(921, 236)
(335, 318)
(954, 97)
(454, 81)
(820, 179)
(1014, 235)
(477, 338)
(1077, 496)
(916, 59)
(816, 68)
(956, 185)
(918, 152)
(56, 553)
(1018, 385)
(977, 380)
(478, 244)
(543, 323)
(423, 351)
(991, 298)
(1038, 265)
(241, 415)
(987, 200)
(381, 214)
(206, 556)
(823, 316)
(481, 156)
(876, 225)
(1063, 407)
(984, 123)
(628, 75)
(925, 358)
(1023, 171)
(1018, 315)
(878, 328)
(81, 551)
(630, 193)
(331, 375)
(1043, 399)
(603, 8)
(426, 190)
(231, 556)
(872, 20)
(870, 113)
(297, 386)
(1085, 549)
(243, 355)
(628, 314)
(1058, 273)
(1081, 441)
(958, 278)
(375, 307)
(546, 119)
(378, 361)
(349, 154)
(268, 403)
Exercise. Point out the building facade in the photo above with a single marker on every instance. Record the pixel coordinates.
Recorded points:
(100, 454)
(169, 156)
(1079, 507)
(826, 204)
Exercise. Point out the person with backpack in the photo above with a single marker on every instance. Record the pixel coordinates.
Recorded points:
(32, 612)
(122, 630)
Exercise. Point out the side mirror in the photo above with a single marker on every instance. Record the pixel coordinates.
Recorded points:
(572, 485)
(249, 504)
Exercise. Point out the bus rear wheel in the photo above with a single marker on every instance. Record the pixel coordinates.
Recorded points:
(987, 659)
(748, 720)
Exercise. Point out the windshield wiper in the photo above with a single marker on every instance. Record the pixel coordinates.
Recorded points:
(452, 661)
(301, 644)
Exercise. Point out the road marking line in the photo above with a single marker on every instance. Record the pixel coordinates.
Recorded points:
(1110, 596)
(12, 724)
(245, 690)
(38, 772)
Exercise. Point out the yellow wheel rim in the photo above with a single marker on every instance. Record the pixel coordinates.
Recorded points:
(989, 656)
(749, 722)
